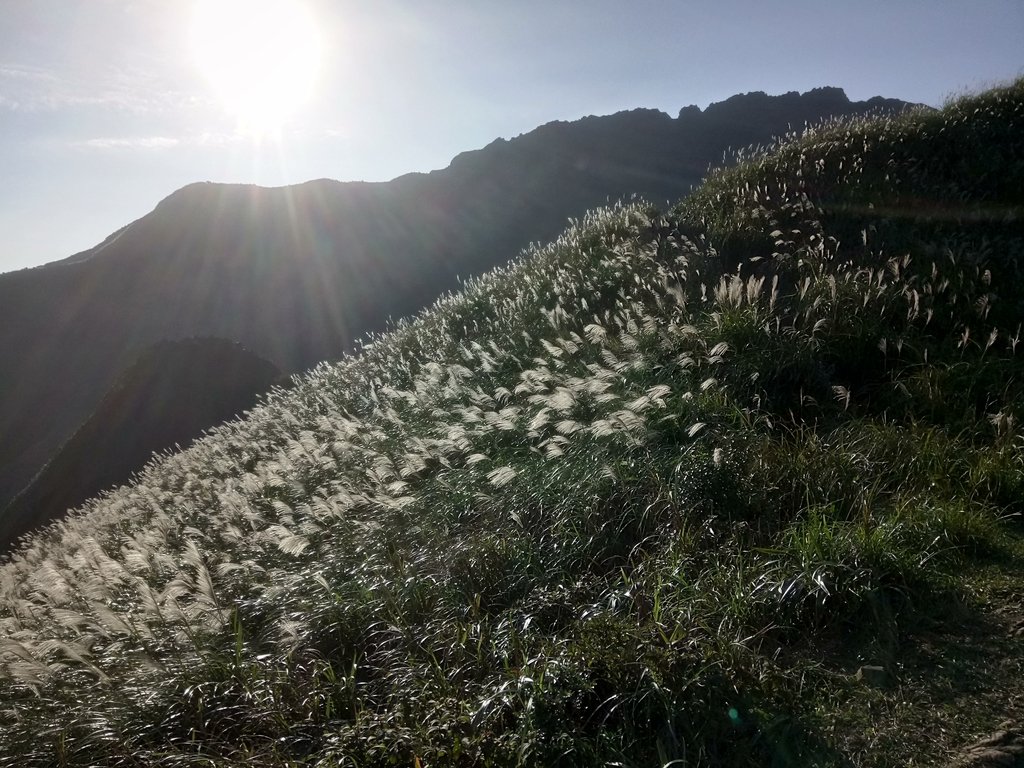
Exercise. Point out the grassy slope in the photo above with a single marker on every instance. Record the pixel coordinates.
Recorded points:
(616, 503)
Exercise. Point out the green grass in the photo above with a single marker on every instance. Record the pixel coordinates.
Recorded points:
(651, 495)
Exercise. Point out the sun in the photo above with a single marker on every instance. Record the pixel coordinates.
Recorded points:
(260, 57)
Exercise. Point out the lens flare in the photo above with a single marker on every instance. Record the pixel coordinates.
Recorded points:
(260, 57)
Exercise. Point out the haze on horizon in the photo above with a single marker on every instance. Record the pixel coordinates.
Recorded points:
(107, 106)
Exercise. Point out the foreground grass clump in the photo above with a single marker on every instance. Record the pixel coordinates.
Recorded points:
(651, 496)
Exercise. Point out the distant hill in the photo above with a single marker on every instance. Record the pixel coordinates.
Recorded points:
(298, 273)
(173, 391)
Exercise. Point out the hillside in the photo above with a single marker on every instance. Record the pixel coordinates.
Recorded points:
(168, 396)
(297, 274)
(734, 484)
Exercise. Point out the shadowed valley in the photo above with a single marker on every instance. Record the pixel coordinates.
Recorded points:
(166, 397)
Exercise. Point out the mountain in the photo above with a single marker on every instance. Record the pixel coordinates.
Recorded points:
(298, 274)
(736, 483)
(169, 395)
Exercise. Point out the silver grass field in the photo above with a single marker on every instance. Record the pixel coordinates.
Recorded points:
(650, 495)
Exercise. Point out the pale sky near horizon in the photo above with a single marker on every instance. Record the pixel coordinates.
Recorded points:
(104, 109)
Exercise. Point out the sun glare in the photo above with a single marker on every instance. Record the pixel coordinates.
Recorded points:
(260, 56)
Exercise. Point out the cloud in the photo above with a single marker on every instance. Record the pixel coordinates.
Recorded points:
(205, 139)
(21, 86)
(129, 142)
(33, 89)
(22, 72)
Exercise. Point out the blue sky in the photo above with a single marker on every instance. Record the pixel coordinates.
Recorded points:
(104, 112)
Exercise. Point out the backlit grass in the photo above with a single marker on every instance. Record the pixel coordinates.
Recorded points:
(648, 496)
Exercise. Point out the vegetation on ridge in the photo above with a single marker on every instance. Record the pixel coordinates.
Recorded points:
(652, 495)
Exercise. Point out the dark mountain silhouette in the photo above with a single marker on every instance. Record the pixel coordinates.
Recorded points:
(298, 273)
(173, 391)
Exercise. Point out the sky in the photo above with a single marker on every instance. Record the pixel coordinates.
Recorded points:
(108, 106)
